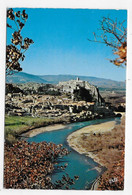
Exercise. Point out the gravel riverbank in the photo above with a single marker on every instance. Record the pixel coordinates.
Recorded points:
(39, 130)
(75, 138)
(105, 144)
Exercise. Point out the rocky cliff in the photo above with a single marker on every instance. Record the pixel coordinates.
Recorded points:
(81, 90)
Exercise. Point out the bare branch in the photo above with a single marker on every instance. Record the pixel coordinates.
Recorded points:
(113, 34)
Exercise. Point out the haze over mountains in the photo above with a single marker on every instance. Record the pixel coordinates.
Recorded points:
(23, 77)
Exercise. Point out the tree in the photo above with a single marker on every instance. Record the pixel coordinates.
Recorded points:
(19, 45)
(114, 35)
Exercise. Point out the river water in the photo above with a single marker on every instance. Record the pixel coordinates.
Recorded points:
(78, 164)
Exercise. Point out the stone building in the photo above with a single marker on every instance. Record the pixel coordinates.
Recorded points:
(73, 85)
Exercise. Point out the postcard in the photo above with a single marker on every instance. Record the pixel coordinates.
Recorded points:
(65, 98)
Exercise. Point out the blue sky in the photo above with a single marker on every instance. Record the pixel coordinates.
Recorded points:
(61, 45)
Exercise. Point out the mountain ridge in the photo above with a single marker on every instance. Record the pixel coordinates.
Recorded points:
(23, 77)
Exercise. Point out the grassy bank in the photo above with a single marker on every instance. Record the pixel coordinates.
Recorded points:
(16, 125)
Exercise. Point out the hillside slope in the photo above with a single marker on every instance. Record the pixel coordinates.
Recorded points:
(22, 77)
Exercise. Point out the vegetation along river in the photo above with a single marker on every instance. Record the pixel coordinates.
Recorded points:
(78, 164)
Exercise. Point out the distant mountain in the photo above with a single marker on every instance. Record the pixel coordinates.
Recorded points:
(22, 77)
(99, 82)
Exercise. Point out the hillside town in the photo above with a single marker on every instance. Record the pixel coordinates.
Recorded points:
(66, 106)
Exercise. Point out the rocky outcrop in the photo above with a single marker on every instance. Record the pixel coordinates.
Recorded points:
(85, 90)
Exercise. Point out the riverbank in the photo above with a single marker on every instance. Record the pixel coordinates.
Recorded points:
(53, 127)
(74, 139)
(104, 143)
(15, 126)
(39, 130)
(18, 126)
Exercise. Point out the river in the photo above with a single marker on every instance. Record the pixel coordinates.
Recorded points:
(78, 164)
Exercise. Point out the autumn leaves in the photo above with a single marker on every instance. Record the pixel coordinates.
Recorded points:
(15, 51)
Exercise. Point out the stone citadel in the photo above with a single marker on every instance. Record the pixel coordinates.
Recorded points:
(73, 85)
